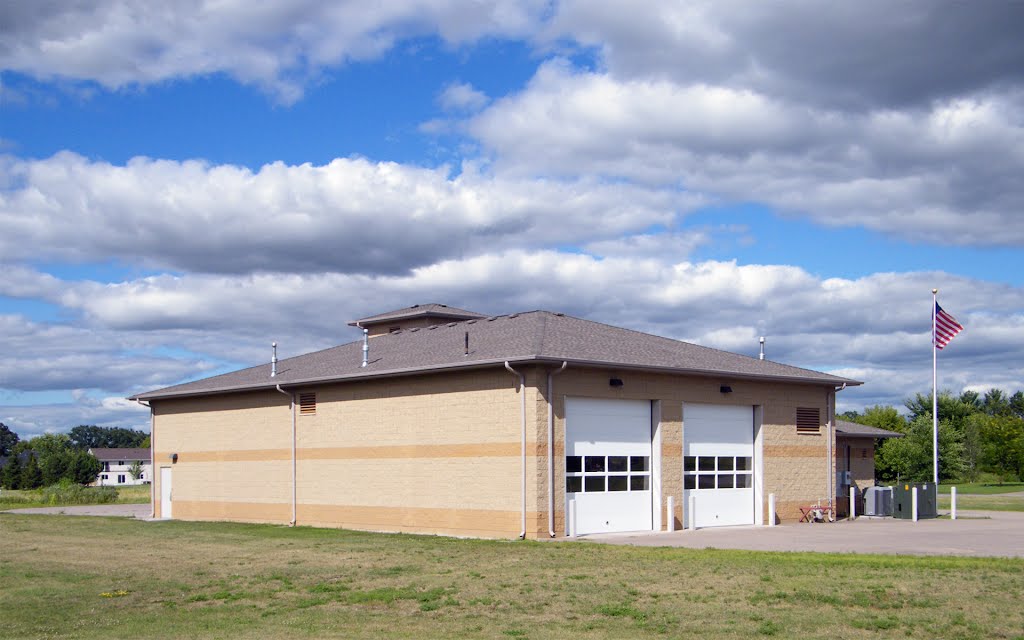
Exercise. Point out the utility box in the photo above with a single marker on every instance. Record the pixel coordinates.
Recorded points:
(927, 500)
(878, 501)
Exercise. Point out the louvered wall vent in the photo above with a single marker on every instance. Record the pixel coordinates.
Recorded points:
(307, 404)
(808, 420)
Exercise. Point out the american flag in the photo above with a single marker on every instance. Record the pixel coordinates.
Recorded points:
(946, 327)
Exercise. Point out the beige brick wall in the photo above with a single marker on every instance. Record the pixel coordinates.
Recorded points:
(441, 453)
(862, 460)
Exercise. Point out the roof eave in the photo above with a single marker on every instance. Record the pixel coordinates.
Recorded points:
(481, 364)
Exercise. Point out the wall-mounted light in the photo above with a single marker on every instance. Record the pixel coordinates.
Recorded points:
(173, 457)
(615, 382)
(725, 388)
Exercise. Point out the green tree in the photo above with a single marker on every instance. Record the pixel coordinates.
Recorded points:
(146, 444)
(996, 403)
(910, 457)
(10, 477)
(31, 475)
(951, 409)
(1002, 446)
(8, 439)
(83, 467)
(89, 436)
(887, 418)
(135, 470)
(1017, 404)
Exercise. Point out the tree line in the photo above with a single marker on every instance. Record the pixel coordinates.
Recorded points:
(978, 435)
(47, 459)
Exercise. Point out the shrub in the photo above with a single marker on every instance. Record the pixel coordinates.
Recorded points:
(68, 492)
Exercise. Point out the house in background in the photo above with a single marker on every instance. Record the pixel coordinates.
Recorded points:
(117, 466)
(534, 424)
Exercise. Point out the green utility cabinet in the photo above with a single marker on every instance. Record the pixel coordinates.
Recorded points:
(927, 500)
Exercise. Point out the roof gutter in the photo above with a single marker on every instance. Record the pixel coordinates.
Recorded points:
(481, 364)
(551, 449)
(829, 440)
(152, 459)
(522, 417)
(291, 406)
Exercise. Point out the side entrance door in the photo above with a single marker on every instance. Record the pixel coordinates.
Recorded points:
(165, 492)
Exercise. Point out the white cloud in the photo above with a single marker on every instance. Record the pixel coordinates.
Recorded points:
(869, 323)
(277, 46)
(945, 174)
(461, 96)
(350, 215)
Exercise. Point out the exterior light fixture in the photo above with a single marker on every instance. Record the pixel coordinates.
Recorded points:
(725, 388)
(615, 382)
(173, 457)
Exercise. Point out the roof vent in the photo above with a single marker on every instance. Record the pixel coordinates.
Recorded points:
(762, 347)
(470, 321)
(492, 318)
(514, 315)
(414, 330)
(273, 360)
(452, 324)
(559, 314)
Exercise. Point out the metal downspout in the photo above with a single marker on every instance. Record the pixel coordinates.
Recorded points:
(152, 462)
(291, 405)
(522, 416)
(551, 449)
(830, 404)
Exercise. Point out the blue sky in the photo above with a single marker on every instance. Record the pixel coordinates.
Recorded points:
(179, 189)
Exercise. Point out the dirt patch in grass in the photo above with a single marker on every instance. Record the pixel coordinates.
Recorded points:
(178, 580)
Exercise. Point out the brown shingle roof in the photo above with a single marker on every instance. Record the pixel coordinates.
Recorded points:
(127, 454)
(535, 336)
(418, 311)
(863, 431)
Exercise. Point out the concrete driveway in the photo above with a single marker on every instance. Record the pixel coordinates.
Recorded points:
(974, 533)
(117, 510)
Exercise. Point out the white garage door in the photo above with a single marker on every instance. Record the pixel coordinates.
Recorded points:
(608, 464)
(718, 463)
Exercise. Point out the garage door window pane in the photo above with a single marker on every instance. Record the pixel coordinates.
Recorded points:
(617, 464)
(690, 482)
(573, 484)
(618, 483)
(640, 483)
(594, 484)
(706, 463)
(573, 464)
(706, 481)
(743, 464)
(594, 464)
(743, 480)
(639, 463)
(725, 481)
(690, 463)
(725, 463)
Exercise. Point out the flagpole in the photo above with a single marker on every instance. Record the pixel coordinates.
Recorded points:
(935, 396)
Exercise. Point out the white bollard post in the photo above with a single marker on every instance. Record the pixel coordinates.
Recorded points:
(671, 509)
(952, 502)
(572, 518)
(771, 509)
(913, 504)
(691, 513)
(853, 503)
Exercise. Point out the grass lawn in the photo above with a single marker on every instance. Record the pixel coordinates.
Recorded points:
(10, 499)
(982, 488)
(983, 503)
(108, 577)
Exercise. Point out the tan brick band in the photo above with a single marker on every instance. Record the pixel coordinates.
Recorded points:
(459, 522)
(794, 451)
(484, 450)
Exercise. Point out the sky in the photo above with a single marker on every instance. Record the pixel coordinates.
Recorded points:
(182, 185)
